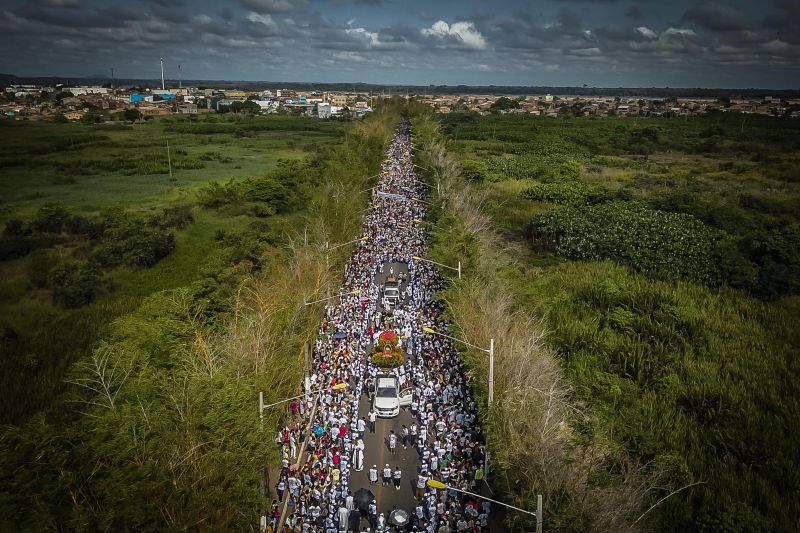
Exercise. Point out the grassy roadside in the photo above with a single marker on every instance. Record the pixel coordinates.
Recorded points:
(672, 385)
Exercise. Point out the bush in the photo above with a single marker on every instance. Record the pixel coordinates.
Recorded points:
(50, 218)
(661, 244)
(571, 193)
(178, 216)
(127, 240)
(74, 284)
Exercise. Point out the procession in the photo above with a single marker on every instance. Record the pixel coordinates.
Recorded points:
(378, 336)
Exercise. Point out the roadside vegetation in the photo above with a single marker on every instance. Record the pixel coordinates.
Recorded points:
(640, 278)
(139, 338)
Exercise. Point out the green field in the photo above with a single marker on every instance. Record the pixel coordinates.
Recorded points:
(662, 257)
(89, 169)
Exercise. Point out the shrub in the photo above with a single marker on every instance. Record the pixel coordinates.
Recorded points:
(570, 193)
(74, 284)
(50, 218)
(178, 216)
(668, 245)
(127, 240)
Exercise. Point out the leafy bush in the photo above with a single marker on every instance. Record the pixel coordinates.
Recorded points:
(127, 240)
(74, 284)
(570, 193)
(661, 244)
(50, 218)
(178, 216)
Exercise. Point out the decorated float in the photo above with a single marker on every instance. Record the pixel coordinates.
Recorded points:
(387, 352)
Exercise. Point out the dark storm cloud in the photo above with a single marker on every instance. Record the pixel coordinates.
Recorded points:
(785, 23)
(102, 17)
(716, 17)
(505, 41)
(634, 13)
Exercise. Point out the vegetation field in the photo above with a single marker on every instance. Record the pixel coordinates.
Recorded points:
(662, 257)
(79, 197)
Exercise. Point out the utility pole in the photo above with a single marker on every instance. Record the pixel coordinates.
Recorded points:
(261, 411)
(180, 81)
(538, 513)
(491, 365)
(112, 77)
(162, 74)
(169, 160)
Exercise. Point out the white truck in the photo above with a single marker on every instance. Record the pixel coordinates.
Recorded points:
(388, 396)
(391, 293)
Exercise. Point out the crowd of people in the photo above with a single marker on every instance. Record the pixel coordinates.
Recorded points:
(322, 445)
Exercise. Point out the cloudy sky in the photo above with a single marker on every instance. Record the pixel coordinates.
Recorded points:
(603, 43)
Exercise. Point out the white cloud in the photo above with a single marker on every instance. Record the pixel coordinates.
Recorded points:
(646, 32)
(462, 32)
(266, 20)
(680, 31)
(370, 37)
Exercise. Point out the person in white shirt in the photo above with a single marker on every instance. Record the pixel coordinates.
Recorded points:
(392, 441)
(373, 416)
(348, 501)
(373, 475)
(396, 475)
(387, 475)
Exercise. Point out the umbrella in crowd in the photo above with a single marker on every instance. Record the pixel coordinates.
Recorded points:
(398, 517)
(362, 498)
(340, 335)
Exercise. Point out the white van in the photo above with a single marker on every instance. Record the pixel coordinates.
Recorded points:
(388, 396)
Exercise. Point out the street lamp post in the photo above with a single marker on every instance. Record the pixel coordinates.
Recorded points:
(422, 221)
(355, 292)
(261, 406)
(458, 268)
(538, 514)
(490, 351)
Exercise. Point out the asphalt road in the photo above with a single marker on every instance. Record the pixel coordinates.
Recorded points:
(376, 448)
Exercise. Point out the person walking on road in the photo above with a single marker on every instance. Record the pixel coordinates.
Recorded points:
(373, 514)
(281, 488)
(362, 424)
(392, 442)
(344, 518)
(387, 477)
(373, 475)
(405, 434)
(396, 475)
(373, 416)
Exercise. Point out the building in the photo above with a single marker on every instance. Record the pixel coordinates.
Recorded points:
(187, 109)
(324, 110)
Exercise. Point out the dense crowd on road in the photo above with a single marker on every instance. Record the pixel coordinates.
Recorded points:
(324, 435)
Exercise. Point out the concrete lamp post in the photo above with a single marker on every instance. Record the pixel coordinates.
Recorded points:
(355, 292)
(262, 406)
(438, 485)
(490, 351)
(458, 268)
